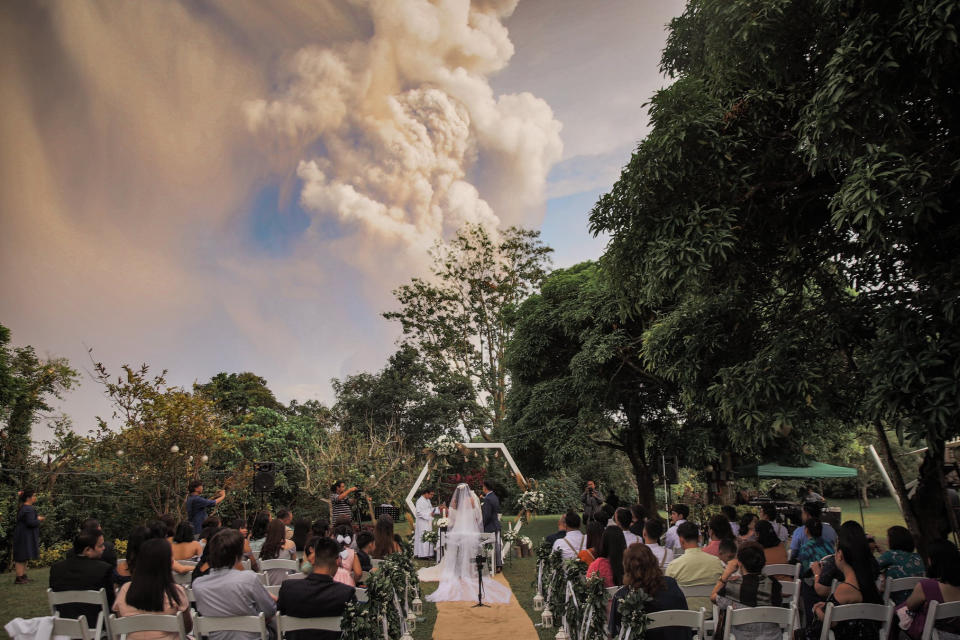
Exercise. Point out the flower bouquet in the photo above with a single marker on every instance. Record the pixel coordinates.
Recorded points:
(430, 537)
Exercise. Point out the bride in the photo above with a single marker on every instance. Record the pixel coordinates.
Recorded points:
(458, 571)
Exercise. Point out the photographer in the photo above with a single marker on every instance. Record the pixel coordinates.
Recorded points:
(340, 502)
(591, 501)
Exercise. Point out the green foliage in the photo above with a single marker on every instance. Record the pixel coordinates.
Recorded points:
(50, 554)
(27, 384)
(235, 394)
(460, 320)
(792, 219)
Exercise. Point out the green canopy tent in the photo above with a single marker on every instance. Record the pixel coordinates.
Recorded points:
(812, 470)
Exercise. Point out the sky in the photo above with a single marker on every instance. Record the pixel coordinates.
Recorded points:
(232, 185)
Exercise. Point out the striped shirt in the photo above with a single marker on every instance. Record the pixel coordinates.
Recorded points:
(341, 508)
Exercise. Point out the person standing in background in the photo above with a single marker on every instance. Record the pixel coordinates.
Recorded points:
(197, 505)
(26, 535)
(591, 501)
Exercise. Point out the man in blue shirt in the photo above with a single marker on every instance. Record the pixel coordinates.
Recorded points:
(197, 505)
(810, 510)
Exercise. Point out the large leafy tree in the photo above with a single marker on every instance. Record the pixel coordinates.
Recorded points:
(461, 318)
(580, 385)
(405, 398)
(235, 394)
(27, 385)
(794, 214)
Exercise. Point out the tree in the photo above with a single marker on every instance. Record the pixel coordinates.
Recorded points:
(461, 319)
(793, 214)
(167, 435)
(27, 384)
(405, 398)
(579, 382)
(235, 394)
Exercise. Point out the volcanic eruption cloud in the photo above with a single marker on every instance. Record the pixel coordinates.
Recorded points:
(414, 141)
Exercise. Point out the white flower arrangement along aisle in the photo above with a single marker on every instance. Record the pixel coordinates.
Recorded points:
(578, 605)
(393, 602)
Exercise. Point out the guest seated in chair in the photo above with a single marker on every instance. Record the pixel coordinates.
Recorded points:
(641, 571)
(750, 589)
(228, 590)
(153, 591)
(317, 595)
(83, 571)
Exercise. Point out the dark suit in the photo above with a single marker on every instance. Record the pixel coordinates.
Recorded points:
(80, 573)
(315, 596)
(491, 523)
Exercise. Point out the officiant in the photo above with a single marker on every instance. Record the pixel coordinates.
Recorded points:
(425, 512)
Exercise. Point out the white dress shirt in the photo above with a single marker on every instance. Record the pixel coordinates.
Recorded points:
(631, 537)
(671, 541)
(570, 545)
(663, 561)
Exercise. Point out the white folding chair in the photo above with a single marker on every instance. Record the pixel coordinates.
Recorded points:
(882, 613)
(680, 618)
(697, 591)
(290, 623)
(782, 570)
(610, 592)
(374, 562)
(791, 592)
(183, 579)
(120, 627)
(782, 616)
(289, 565)
(71, 628)
(203, 625)
(361, 594)
(938, 611)
(299, 575)
(99, 598)
(892, 585)
(189, 591)
(273, 590)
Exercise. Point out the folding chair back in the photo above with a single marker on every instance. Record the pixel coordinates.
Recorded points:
(938, 611)
(290, 565)
(792, 570)
(680, 618)
(697, 591)
(881, 613)
(120, 627)
(790, 591)
(203, 625)
(893, 585)
(362, 595)
(273, 589)
(782, 616)
(183, 579)
(290, 623)
(56, 598)
(71, 628)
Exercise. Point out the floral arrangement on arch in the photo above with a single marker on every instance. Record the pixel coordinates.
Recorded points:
(532, 501)
(442, 523)
(444, 445)
(430, 537)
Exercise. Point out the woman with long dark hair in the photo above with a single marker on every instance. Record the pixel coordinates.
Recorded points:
(592, 552)
(642, 571)
(258, 531)
(719, 529)
(26, 535)
(859, 585)
(941, 584)
(184, 546)
(383, 538)
(609, 562)
(152, 590)
(277, 547)
(301, 530)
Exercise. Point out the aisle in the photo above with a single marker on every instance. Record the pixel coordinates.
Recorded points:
(459, 620)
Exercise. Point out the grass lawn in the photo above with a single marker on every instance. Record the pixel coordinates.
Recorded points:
(27, 601)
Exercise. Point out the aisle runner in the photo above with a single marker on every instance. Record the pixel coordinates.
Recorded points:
(458, 620)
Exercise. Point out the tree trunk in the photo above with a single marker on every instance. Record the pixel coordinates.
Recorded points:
(909, 515)
(646, 496)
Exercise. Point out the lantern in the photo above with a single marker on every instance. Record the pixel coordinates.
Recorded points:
(417, 606)
(204, 459)
(174, 449)
(538, 602)
(561, 635)
(411, 622)
(546, 618)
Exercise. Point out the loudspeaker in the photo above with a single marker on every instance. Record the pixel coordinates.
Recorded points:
(672, 470)
(263, 476)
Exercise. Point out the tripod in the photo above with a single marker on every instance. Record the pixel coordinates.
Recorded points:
(479, 560)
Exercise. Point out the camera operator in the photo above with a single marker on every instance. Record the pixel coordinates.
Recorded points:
(340, 502)
(591, 501)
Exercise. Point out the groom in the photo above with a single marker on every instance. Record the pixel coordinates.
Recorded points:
(491, 519)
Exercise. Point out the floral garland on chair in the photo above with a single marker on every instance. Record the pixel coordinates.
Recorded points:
(383, 616)
(633, 614)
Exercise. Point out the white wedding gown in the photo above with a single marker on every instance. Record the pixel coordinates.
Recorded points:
(458, 571)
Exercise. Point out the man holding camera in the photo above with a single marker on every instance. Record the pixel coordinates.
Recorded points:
(591, 501)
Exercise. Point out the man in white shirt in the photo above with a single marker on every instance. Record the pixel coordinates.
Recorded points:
(678, 515)
(652, 531)
(624, 519)
(571, 544)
